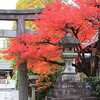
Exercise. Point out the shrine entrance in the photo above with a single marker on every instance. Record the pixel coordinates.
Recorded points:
(20, 16)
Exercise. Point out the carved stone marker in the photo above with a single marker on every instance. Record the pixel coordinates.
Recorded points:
(68, 85)
(33, 84)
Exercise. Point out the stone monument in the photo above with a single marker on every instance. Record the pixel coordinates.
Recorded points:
(33, 84)
(68, 85)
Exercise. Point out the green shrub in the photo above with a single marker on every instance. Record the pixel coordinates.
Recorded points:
(40, 95)
(83, 77)
(44, 89)
(94, 82)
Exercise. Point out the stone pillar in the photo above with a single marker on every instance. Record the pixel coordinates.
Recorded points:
(22, 68)
(33, 90)
(69, 73)
(33, 84)
(68, 57)
(33, 93)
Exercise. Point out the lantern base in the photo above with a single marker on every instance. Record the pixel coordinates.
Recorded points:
(69, 70)
(69, 78)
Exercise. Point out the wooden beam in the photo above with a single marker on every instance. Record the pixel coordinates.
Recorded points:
(11, 33)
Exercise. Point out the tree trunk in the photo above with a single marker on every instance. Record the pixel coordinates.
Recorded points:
(22, 68)
(22, 81)
(96, 57)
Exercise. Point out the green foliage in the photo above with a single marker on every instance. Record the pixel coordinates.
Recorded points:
(1, 55)
(13, 63)
(98, 56)
(94, 82)
(8, 42)
(40, 95)
(83, 77)
(65, 1)
(31, 4)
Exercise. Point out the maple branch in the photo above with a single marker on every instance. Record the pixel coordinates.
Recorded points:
(75, 31)
(78, 66)
(97, 5)
(75, 34)
(81, 54)
(65, 28)
(90, 20)
(53, 62)
(46, 42)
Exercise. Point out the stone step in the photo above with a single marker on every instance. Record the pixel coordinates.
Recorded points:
(81, 98)
(69, 92)
(66, 85)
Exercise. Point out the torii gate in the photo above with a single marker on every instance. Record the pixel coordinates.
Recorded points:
(20, 16)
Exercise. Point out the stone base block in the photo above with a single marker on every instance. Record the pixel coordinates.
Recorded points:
(69, 87)
(70, 92)
(81, 98)
(66, 85)
(69, 78)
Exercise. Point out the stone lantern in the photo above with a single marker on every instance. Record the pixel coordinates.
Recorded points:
(69, 42)
(68, 85)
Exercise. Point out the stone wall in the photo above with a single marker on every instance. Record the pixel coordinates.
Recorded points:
(9, 95)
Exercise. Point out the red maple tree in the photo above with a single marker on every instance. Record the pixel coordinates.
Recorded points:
(40, 50)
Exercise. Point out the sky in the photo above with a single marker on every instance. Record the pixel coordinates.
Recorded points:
(6, 4)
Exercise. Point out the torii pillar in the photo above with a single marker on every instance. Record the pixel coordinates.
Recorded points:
(22, 68)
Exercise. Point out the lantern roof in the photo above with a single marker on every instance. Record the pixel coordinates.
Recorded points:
(68, 41)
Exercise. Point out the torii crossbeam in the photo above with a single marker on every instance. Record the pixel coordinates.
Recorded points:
(27, 15)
